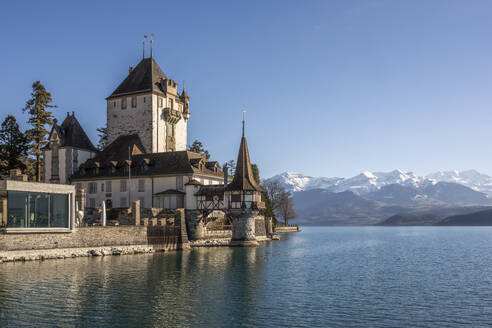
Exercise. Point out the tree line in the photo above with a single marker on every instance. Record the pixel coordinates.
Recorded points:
(22, 150)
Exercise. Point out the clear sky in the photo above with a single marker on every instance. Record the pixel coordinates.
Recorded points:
(331, 88)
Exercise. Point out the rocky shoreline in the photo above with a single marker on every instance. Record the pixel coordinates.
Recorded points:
(63, 253)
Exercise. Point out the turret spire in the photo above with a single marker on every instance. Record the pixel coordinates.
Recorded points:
(244, 114)
(243, 175)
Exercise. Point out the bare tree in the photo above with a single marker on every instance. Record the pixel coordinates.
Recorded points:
(275, 191)
(286, 207)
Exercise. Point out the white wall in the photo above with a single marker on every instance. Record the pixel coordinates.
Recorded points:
(181, 134)
(190, 198)
(160, 184)
(62, 165)
(165, 183)
(47, 165)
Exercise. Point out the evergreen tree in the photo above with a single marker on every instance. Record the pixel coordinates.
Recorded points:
(268, 211)
(197, 147)
(13, 145)
(39, 116)
(103, 137)
(256, 173)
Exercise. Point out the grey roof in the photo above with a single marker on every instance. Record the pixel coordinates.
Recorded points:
(72, 134)
(170, 192)
(146, 77)
(118, 149)
(142, 164)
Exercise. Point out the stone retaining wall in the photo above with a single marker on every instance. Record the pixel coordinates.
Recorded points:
(80, 237)
(260, 228)
(287, 229)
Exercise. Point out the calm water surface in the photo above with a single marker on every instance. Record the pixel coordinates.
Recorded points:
(321, 277)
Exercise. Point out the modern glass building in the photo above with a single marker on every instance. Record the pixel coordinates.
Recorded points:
(32, 207)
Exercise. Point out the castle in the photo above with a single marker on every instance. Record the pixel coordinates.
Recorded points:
(146, 159)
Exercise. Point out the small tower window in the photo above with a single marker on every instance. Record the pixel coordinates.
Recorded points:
(161, 102)
(123, 103)
(170, 130)
(114, 104)
(171, 103)
(134, 102)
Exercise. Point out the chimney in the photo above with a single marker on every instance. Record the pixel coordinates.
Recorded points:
(130, 69)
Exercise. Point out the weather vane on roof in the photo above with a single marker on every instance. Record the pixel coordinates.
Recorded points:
(244, 115)
(145, 37)
(151, 43)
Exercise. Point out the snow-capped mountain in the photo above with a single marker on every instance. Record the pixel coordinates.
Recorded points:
(371, 181)
(470, 178)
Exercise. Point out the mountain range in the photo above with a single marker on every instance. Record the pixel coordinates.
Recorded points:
(370, 198)
(370, 181)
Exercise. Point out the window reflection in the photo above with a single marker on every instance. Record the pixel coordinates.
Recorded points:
(37, 210)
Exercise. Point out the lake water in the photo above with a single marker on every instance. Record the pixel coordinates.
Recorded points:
(321, 277)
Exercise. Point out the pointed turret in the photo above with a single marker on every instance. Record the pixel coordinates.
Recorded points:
(243, 176)
(184, 95)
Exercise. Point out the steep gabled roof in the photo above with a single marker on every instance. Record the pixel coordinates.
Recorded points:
(243, 176)
(146, 77)
(118, 149)
(71, 134)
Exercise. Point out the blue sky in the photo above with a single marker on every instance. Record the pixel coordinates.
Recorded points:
(331, 88)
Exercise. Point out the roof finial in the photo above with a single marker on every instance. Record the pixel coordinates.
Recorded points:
(244, 114)
(151, 43)
(143, 48)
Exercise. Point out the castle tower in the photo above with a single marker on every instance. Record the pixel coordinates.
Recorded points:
(148, 103)
(243, 199)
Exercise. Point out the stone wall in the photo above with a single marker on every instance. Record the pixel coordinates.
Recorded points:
(260, 228)
(80, 237)
(160, 237)
(290, 228)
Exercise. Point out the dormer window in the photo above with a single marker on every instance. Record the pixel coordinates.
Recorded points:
(134, 102)
(123, 103)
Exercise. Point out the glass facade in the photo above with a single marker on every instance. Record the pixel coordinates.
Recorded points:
(37, 210)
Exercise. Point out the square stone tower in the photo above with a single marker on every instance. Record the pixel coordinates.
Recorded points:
(148, 103)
